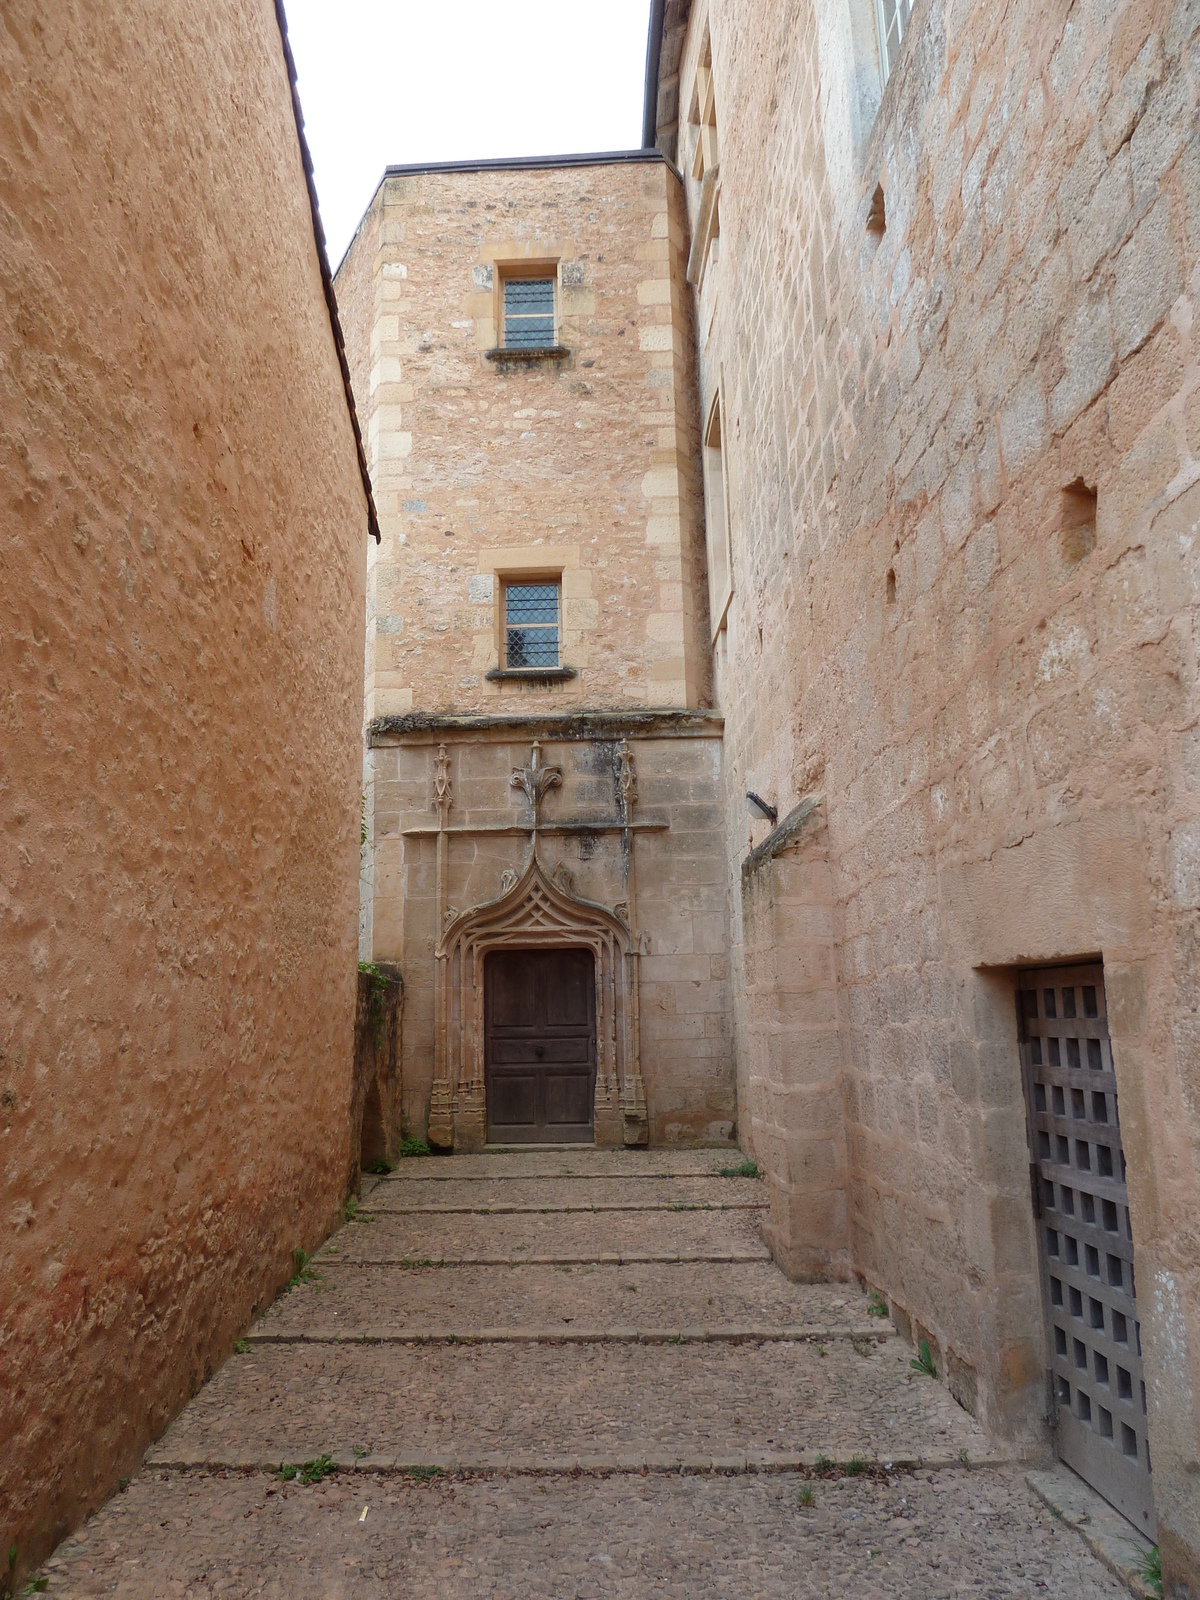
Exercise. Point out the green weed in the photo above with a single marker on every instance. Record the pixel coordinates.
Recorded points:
(305, 1272)
(748, 1169)
(380, 1169)
(416, 1261)
(422, 1473)
(823, 1462)
(877, 1306)
(415, 1147)
(807, 1497)
(36, 1586)
(315, 1471)
(242, 1347)
(923, 1361)
(1152, 1570)
(351, 1209)
(854, 1466)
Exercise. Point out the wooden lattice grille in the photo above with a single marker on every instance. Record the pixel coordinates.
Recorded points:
(1085, 1237)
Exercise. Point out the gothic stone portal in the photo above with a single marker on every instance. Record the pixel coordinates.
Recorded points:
(540, 1044)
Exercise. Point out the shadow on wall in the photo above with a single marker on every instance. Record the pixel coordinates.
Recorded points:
(375, 1110)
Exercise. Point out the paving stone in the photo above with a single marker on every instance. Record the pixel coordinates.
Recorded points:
(673, 1295)
(440, 1402)
(614, 1235)
(911, 1537)
(392, 1194)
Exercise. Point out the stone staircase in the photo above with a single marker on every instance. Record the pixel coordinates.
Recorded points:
(564, 1372)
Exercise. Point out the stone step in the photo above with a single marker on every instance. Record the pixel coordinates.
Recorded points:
(747, 1333)
(670, 1295)
(498, 1208)
(568, 1194)
(571, 1162)
(475, 1406)
(557, 1237)
(702, 1537)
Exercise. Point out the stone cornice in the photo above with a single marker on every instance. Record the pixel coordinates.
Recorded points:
(418, 727)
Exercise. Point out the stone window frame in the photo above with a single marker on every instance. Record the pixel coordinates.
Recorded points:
(718, 545)
(889, 13)
(545, 267)
(502, 672)
(705, 168)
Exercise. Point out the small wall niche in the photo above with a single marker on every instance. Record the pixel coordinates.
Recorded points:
(891, 586)
(877, 214)
(1077, 522)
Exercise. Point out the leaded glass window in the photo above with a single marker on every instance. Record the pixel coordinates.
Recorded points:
(531, 625)
(893, 18)
(529, 313)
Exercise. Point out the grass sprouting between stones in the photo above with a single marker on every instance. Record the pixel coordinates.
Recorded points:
(315, 1471)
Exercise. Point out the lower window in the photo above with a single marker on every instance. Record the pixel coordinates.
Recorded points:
(531, 625)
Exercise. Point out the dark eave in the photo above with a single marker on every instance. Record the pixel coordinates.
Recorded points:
(653, 57)
(590, 158)
(326, 275)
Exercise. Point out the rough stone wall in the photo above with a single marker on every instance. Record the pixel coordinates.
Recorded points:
(994, 696)
(181, 584)
(686, 1054)
(586, 467)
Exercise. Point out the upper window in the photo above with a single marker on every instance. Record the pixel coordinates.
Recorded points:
(529, 313)
(703, 115)
(531, 612)
(706, 228)
(892, 19)
(716, 522)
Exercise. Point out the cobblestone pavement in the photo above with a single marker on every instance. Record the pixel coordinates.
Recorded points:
(559, 1454)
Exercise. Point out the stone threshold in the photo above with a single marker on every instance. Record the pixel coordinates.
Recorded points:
(1111, 1537)
(500, 1209)
(570, 1173)
(809, 1463)
(733, 1334)
(642, 1259)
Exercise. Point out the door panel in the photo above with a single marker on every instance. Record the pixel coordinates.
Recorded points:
(540, 1045)
(1085, 1240)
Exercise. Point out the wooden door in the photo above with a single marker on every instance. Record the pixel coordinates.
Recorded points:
(540, 1044)
(1086, 1242)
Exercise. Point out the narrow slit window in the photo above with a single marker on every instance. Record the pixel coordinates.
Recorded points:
(892, 18)
(529, 313)
(531, 625)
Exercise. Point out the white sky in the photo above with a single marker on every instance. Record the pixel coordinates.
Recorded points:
(449, 80)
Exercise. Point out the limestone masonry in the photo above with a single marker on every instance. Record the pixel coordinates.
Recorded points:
(850, 437)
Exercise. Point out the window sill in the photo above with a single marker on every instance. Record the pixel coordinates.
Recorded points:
(503, 354)
(530, 674)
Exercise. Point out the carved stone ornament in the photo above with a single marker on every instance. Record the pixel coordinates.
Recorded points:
(563, 877)
(536, 780)
(443, 794)
(626, 779)
(508, 880)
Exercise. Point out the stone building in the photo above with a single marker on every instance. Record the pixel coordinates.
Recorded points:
(903, 298)
(544, 766)
(945, 271)
(181, 592)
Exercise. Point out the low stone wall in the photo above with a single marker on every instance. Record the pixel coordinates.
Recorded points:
(375, 1110)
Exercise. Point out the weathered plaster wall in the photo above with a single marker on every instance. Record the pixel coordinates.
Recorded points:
(998, 708)
(588, 468)
(181, 583)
